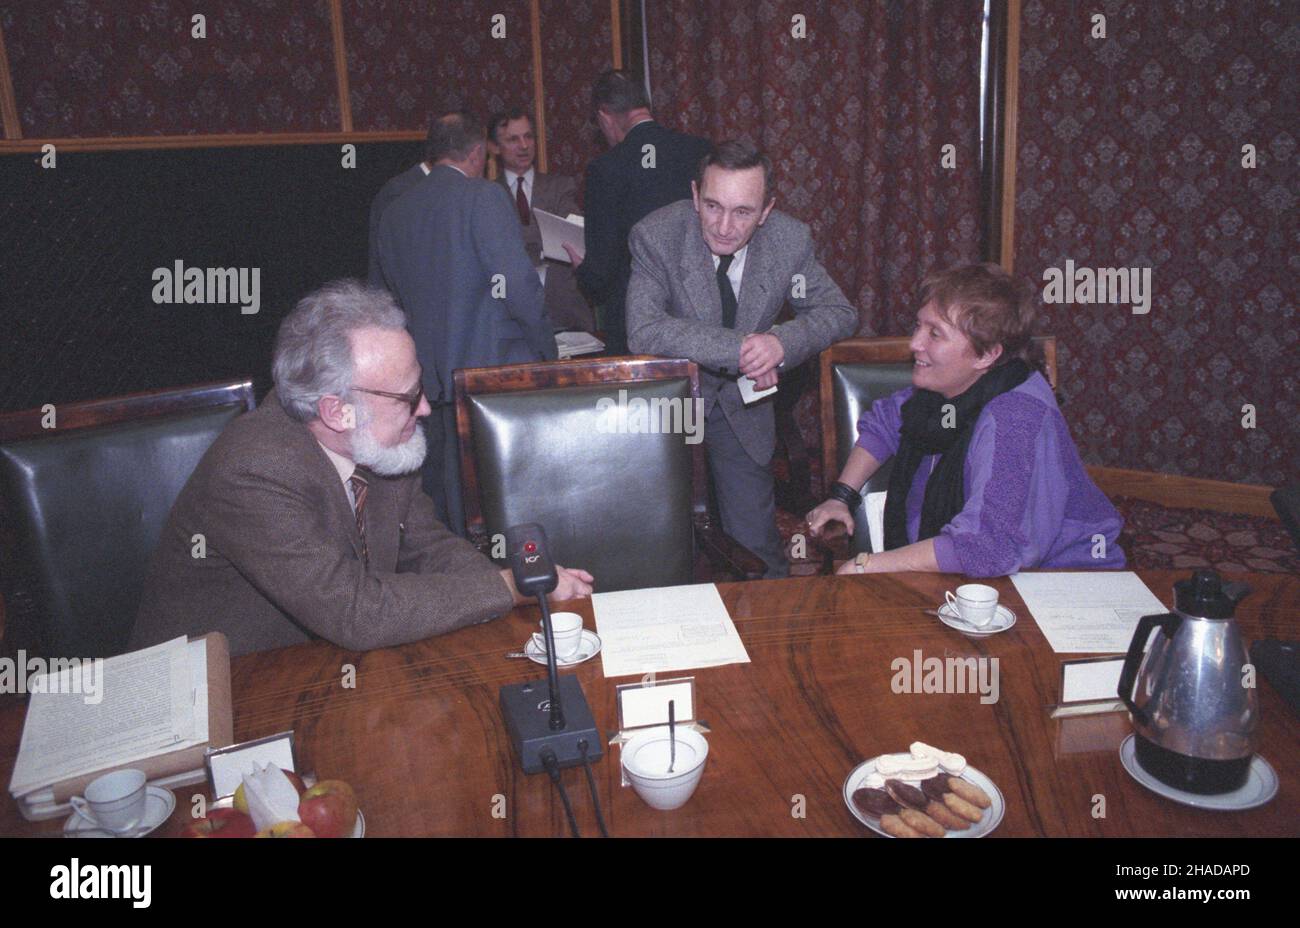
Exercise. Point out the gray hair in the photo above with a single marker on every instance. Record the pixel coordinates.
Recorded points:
(313, 353)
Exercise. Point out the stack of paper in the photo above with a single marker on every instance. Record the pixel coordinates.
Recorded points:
(1087, 612)
(671, 628)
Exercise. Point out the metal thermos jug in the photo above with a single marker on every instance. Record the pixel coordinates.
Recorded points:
(1194, 705)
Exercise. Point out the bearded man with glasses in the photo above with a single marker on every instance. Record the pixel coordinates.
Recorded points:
(306, 518)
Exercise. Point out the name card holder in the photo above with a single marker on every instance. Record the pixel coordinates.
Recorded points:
(1089, 686)
(643, 706)
(227, 766)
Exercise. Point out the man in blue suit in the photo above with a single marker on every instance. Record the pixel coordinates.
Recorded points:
(451, 252)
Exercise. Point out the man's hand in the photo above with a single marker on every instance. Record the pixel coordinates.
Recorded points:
(831, 511)
(760, 353)
(573, 255)
(574, 584)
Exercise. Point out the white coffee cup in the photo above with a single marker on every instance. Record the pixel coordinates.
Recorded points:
(567, 629)
(114, 802)
(976, 603)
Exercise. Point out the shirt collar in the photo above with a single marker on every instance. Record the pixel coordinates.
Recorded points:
(528, 179)
(343, 465)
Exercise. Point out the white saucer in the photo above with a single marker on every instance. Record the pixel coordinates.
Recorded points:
(992, 815)
(1259, 788)
(1003, 620)
(159, 802)
(588, 649)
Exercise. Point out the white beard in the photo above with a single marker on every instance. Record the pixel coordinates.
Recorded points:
(400, 459)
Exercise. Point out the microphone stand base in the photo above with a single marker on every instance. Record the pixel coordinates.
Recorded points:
(526, 709)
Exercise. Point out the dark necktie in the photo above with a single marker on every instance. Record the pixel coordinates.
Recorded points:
(359, 488)
(728, 295)
(521, 201)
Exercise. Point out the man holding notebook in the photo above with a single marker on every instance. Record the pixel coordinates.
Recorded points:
(305, 519)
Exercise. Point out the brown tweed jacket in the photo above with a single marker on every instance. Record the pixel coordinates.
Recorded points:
(281, 557)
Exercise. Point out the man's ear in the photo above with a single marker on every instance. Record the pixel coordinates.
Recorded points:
(767, 209)
(695, 195)
(336, 415)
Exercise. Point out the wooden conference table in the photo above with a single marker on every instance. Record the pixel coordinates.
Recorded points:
(421, 739)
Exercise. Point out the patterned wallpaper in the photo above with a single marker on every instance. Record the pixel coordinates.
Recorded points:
(576, 47)
(1130, 154)
(409, 60)
(854, 116)
(84, 68)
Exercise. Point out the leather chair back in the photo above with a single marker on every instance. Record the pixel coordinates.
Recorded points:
(85, 507)
(619, 504)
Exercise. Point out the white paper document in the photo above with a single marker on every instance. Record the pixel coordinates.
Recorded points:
(670, 628)
(1087, 612)
(556, 231)
(749, 391)
(572, 344)
(150, 705)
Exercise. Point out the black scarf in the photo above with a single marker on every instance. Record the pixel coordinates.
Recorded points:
(923, 433)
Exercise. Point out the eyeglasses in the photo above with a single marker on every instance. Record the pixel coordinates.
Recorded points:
(412, 400)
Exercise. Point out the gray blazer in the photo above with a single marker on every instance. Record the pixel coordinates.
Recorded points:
(441, 244)
(282, 561)
(674, 309)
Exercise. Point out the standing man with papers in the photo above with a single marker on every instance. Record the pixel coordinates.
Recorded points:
(512, 139)
(647, 166)
(709, 278)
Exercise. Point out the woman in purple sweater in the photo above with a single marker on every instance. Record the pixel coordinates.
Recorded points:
(986, 480)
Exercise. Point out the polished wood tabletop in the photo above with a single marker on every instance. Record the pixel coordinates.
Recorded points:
(420, 735)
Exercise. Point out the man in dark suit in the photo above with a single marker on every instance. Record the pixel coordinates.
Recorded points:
(451, 252)
(387, 195)
(709, 278)
(512, 140)
(305, 518)
(647, 166)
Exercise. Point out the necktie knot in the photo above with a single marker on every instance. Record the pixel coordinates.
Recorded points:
(724, 263)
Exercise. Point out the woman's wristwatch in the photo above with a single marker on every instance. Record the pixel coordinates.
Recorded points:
(861, 561)
(846, 495)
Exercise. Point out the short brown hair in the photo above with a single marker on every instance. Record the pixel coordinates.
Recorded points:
(737, 155)
(986, 304)
(454, 135)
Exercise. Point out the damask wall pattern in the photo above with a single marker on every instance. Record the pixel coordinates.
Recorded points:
(90, 69)
(409, 60)
(577, 46)
(1130, 154)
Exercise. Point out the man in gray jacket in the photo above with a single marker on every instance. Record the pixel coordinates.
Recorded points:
(709, 278)
(451, 252)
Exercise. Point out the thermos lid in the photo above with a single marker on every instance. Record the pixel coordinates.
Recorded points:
(1206, 596)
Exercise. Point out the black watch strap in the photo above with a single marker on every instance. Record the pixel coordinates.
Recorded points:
(846, 495)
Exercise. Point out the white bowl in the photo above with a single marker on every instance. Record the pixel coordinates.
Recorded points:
(645, 761)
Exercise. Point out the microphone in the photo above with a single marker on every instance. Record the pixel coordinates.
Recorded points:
(543, 734)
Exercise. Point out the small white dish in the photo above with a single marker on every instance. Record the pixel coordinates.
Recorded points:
(588, 649)
(1004, 619)
(1260, 786)
(159, 803)
(857, 778)
(646, 758)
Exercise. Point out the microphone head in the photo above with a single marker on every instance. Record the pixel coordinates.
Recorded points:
(530, 561)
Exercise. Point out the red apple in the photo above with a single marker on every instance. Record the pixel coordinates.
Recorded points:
(241, 800)
(220, 823)
(329, 808)
(286, 830)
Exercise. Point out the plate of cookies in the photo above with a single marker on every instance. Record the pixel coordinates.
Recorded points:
(925, 793)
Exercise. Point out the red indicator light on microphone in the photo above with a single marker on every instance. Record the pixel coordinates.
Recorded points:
(530, 547)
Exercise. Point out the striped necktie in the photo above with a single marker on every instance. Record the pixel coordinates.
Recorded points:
(359, 489)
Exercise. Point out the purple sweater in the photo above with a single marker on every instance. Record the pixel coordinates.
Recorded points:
(1029, 502)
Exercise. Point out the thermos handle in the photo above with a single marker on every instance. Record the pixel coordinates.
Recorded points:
(1168, 623)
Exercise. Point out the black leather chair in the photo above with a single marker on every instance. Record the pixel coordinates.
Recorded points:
(854, 374)
(536, 446)
(83, 504)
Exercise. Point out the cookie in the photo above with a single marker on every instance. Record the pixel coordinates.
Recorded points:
(874, 802)
(922, 823)
(970, 792)
(905, 794)
(935, 787)
(946, 816)
(896, 827)
(963, 808)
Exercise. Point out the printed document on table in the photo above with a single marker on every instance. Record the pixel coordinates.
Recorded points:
(1087, 612)
(671, 628)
